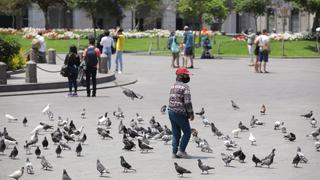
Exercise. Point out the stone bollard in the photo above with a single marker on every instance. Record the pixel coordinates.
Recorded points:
(31, 72)
(3, 73)
(103, 64)
(80, 53)
(51, 56)
(34, 55)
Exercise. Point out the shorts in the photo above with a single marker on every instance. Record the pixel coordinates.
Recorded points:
(175, 55)
(263, 56)
(188, 51)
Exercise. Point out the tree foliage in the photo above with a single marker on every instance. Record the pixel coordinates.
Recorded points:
(256, 7)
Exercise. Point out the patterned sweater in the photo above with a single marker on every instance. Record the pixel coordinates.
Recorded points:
(180, 99)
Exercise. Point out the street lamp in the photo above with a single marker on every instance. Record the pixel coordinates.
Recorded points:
(318, 34)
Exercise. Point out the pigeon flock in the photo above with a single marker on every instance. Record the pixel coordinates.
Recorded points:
(64, 137)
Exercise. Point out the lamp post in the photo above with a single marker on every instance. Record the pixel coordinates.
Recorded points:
(318, 34)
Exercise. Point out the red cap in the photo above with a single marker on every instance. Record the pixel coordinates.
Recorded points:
(182, 70)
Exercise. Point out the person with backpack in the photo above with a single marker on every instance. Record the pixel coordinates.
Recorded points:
(91, 56)
(72, 61)
(188, 44)
(173, 46)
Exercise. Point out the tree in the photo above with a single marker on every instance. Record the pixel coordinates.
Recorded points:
(12, 8)
(311, 6)
(138, 5)
(44, 6)
(255, 7)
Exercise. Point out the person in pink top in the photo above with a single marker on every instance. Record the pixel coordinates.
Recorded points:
(91, 56)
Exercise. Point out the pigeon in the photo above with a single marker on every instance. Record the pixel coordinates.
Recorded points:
(240, 155)
(128, 144)
(290, 136)
(2, 145)
(10, 117)
(269, 159)
(126, 166)
(303, 159)
(83, 114)
(284, 130)
(205, 147)
(242, 127)
(133, 134)
(213, 128)
(104, 133)
(163, 109)
(201, 113)
(145, 139)
(308, 115)
(72, 126)
(67, 137)
(45, 163)
(277, 125)
(83, 139)
(314, 134)
(14, 153)
(144, 147)
(79, 149)
(296, 160)
(139, 118)
(180, 170)
(65, 175)
(263, 109)
(235, 132)
(256, 160)
(25, 121)
(234, 105)
(253, 121)
(252, 139)
(131, 94)
(9, 143)
(120, 127)
(101, 169)
(45, 143)
(29, 167)
(58, 151)
(37, 152)
(46, 126)
(227, 158)
(37, 129)
(103, 119)
(229, 144)
(108, 123)
(78, 132)
(17, 174)
(64, 146)
(34, 139)
(27, 148)
(313, 122)
(46, 109)
(205, 121)
(203, 167)
(62, 122)
(317, 145)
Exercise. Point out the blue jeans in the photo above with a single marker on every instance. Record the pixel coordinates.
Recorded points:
(119, 60)
(263, 56)
(107, 51)
(179, 123)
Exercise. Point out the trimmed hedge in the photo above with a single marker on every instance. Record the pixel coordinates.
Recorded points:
(11, 53)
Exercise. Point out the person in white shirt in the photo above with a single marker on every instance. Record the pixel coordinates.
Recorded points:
(42, 49)
(250, 41)
(107, 43)
(264, 50)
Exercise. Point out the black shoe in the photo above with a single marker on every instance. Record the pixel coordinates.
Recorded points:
(93, 95)
(88, 95)
(190, 67)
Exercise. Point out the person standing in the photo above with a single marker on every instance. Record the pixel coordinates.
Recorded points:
(250, 42)
(256, 52)
(180, 111)
(91, 56)
(264, 50)
(42, 49)
(119, 48)
(72, 60)
(107, 43)
(188, 44)
(173, 46)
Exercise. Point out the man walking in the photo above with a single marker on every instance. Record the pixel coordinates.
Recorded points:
(264, 50)
(180, 111)
(91, 56)
(120, 48)
(188, 44)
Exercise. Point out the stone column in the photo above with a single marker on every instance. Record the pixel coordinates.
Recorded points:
(51, 56)
(3, 73)
(34, 55)
(31, 72)
(103, 64)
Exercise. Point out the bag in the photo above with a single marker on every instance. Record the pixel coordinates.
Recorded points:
(35, 44)
(91, 57)
(81, 76)
(113, 50)
(174, 46)
(266, 48)
(64, 71)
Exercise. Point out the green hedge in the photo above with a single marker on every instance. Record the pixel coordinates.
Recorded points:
(11, 53)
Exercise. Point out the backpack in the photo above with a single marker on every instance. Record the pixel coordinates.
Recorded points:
(91, 57)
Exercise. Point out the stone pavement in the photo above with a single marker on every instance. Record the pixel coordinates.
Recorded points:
(290, 89)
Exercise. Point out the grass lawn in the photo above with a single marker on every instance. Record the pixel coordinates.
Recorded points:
(228, 47)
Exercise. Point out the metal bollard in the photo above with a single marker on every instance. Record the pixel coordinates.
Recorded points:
(3, 73)
(51, 56)
(103, 64)
(31, 72)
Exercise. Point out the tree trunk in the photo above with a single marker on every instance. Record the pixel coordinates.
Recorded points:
(46, 18)
(93, 19)
(255, 22)
(133, 19)
(13, 20)
(200, 28)
(316, 22)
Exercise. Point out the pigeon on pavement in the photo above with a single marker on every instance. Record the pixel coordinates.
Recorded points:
(163, 109)
(234, 105)
(45, 143)
(290, 136)
(17, 174)
(37, 152)
(201, 113)
(180, 170)
(227, 158)
(10, 117)
(203, 167)
(65, 175)
(14, 153)
(25, 121)
(45, 163)
(296, 160)
(126, 166)
(29, 167)
(256, 160)
(101, 169)
(313, 122)
(58, 151)
(263, 109)
(79, 149)
(308, 115)
(252, 139)
(131, 94)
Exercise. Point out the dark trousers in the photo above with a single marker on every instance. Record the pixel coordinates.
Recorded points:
(91, 72)
(72, 83)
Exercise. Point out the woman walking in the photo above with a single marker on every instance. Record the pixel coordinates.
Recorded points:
(72, 60)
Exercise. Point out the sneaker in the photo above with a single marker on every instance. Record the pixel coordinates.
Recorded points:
(75, 94)
(174, 156)
(69, 94)
(183, 155)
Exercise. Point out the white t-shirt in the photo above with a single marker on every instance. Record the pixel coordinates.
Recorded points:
(263, 40)
(42, 43)
(106, 41)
